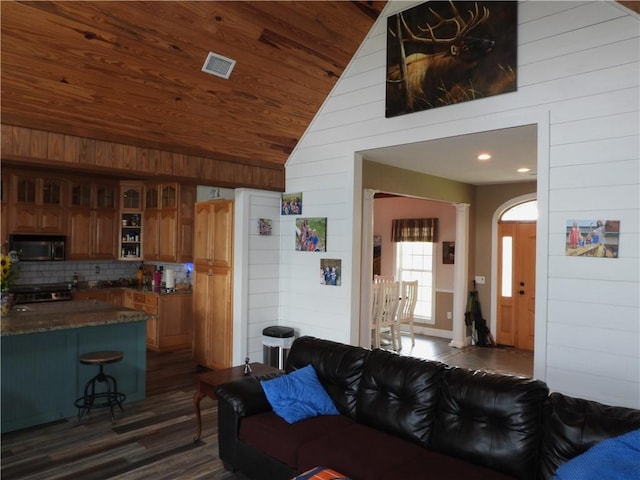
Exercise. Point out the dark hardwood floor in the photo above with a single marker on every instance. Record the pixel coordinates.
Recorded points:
(152, 439)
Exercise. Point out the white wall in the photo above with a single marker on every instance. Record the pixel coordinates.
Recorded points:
(387, 209)
(256, 270)
(578, 79)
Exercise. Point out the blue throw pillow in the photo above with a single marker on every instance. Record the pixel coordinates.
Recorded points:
(298, 395)
(613, 459)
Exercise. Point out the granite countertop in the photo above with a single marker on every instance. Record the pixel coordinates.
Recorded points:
(48, 316)
(111, 285)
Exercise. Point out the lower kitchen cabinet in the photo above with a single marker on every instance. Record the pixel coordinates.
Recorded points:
(212, 297)
(114, 296)
(172, 329)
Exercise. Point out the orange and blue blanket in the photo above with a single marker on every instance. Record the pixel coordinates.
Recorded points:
(321, 473)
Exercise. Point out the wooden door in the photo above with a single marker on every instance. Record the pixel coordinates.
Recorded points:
(201, 306)
(106, 229)
(79, 241)
(516, 284)
(150, 240)
(222, 230)
(525, 276)
(167, 235)
(201, 250)
(220, 318)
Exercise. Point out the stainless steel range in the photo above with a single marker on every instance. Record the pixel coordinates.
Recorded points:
(48, 292)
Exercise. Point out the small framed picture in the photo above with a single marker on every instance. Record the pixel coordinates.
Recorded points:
(311, 234)
(291, 204)
(592, 238)
(448, 253)
(331, 271)
(265, 226)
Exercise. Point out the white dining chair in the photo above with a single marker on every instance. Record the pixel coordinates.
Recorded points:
(385, 299)
(406, 309)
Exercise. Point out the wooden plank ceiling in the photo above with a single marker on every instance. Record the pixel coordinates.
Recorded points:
(130, 72)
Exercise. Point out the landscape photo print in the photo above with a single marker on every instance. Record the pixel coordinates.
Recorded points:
(444, 52)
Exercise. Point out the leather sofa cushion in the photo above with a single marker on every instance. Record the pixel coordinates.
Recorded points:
(491, 419)
(573, 425)
(436, 466)
(398, 395)
(359, 452)
(338, 367)
(281, 440)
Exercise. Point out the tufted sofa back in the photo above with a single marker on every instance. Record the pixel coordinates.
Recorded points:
(398, 395)
(491, 419)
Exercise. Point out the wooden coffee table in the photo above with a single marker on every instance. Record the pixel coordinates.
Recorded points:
(206, 383)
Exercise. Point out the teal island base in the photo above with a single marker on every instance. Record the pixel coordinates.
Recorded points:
(42, 376)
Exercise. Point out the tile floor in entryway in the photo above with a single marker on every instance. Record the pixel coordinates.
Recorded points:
(498, 359)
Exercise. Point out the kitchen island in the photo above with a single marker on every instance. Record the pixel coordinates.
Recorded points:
(41, 344)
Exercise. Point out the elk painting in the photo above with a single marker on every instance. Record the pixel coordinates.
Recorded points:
(441, 53)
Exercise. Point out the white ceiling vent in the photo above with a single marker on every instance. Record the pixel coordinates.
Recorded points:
(218, 65)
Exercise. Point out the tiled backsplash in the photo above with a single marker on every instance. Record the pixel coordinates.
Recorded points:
(59, 272)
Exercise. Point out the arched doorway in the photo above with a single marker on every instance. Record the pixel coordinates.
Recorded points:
(515, 322)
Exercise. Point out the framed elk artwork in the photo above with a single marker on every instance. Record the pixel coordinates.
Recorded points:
(441, 53)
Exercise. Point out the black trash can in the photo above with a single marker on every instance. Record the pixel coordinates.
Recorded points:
(276, 342)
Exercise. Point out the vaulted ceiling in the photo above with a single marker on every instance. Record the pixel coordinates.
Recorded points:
(130, 72)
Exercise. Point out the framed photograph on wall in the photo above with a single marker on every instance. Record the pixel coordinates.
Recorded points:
(291, 204)
(265, 225)
(331, 271)
(311, 234)
(592, 238)
(448, 253)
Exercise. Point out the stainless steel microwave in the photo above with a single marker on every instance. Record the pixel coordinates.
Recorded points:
(37, 248)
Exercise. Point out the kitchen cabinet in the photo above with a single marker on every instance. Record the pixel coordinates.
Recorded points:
(212, 317)
(168, 222)
(213, 237)
(100, 295)
(92, 220)
(130, 220)
(172, 328)
(4, 209)
(213, 283)
(37, 204)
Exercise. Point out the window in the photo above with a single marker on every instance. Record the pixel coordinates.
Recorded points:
(414, 261)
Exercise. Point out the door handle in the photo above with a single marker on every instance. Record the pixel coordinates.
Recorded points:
(521, 292)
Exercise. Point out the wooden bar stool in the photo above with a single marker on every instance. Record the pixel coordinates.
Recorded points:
(104, 399)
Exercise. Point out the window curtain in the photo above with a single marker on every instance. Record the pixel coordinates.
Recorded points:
(414, 230)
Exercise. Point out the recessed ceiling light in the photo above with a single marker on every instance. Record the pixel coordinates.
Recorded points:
(484, 156)
(523, 170)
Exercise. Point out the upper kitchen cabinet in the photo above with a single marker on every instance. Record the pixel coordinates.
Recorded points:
(93, 220)
(4, 206)
(131, 197)
(36, 204)
(131, 230)
(168, 222)
(213, 242)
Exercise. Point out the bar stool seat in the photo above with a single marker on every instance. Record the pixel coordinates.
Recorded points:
(104, 399)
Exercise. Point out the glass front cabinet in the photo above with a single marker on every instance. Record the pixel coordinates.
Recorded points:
(131, 220)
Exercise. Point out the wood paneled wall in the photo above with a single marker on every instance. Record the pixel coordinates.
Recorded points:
(26, 146)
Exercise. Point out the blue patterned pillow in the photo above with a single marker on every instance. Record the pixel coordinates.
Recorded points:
(298, 395)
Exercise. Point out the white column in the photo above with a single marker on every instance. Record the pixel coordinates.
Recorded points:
(366, 273)
(460, 276)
